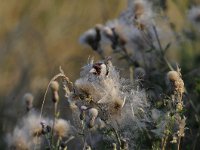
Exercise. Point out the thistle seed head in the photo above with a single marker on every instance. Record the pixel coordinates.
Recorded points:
(62, 128)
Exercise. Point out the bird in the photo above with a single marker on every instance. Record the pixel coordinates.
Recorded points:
(99, 69)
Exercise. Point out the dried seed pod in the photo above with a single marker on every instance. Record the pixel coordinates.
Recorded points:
(93, 113)
(55, 87)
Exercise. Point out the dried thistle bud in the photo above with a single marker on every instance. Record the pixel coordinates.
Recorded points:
(138, 9)
(91, 123)
(173, 76)
(176, 82)
(28, 98)
(114, 146)
(88, 147)
(93, 113)
(54, 86)
(82, 114)
(124, 144)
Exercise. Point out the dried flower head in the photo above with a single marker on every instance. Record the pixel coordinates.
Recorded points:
(62, 128)
(138, 8)
(115, 106)
(173, 76)
(142, 13)
(176, 82)
(18, 140)
(23, 136)
(34, 126)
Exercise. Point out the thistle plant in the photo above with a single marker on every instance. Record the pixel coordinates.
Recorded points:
(108, 111)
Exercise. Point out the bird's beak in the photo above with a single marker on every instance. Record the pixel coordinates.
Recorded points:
(93, 70)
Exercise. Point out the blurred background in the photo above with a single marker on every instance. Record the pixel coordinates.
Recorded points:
(36, 37)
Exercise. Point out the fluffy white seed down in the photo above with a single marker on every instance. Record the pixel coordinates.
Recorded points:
(62, 128)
